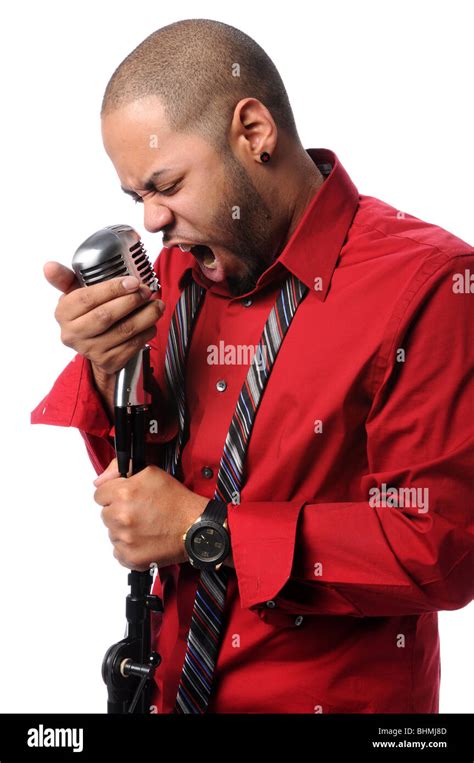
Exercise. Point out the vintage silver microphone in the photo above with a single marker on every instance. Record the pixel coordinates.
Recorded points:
(128, 666)
(117, 250)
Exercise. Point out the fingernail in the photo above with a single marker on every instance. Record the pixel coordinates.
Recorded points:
(130, 283)
(161, 304)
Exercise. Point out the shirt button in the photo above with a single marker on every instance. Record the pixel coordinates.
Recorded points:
(247, 302)
(299, 620)
(271, 604)
(207, 472)
(221, 385)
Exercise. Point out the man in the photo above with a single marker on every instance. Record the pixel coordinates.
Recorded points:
(344, 464)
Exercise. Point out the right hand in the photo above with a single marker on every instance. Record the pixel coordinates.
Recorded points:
(97, 321)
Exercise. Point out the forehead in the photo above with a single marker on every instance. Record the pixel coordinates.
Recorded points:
(139, 141)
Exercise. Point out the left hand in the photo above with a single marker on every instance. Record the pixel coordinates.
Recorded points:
(147, 515)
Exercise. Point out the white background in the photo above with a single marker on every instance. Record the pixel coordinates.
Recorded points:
(387, 86)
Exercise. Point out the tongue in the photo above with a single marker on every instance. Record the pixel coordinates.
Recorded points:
(210, 265)
(204, 254)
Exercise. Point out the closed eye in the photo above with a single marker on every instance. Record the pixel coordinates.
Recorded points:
(165, 192)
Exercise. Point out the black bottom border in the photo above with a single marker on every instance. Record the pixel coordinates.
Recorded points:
(445, 736)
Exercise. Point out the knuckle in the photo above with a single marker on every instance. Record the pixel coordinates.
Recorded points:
(123, 493)
(124, 520)
(126, 328)
(151, 471)
(102, 316)
(85, 297)
(66, 337)
(123, 536)
(58, 313)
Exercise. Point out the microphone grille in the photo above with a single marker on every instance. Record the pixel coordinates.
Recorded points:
(116, 250)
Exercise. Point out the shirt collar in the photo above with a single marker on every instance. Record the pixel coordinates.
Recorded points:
(312, 251)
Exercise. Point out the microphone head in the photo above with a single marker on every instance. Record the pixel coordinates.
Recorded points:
(116, 250)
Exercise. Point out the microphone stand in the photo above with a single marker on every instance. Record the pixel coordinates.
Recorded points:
(129, 666)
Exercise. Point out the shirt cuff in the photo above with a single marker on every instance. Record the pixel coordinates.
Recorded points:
(74, 401)
(263, 536)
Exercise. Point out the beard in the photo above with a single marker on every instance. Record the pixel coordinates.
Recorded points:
(248, 234)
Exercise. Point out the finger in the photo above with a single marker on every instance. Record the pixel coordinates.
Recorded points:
(117, 320)
(105, 493)
(60, 277)
(111, 469)
(111, 473)
(113, 360)
(90, 297)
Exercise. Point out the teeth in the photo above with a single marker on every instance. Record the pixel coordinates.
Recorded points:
(184, 247)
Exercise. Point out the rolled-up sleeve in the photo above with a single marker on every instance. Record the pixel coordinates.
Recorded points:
(408, 548)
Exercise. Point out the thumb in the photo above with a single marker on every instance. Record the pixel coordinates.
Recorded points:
(60, 277)
(111, 473)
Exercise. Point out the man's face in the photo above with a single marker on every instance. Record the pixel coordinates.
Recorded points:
(199, 198)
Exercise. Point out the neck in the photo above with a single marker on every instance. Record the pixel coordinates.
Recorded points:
(306, 183)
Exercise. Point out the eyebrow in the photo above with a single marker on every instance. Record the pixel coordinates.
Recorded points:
(150, 183)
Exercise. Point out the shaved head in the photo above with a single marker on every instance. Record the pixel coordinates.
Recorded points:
(200, 69)
(185, 120)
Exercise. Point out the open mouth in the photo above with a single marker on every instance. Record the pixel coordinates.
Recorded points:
(203, 254)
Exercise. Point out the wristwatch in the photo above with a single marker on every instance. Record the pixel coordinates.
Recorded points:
(207, 540)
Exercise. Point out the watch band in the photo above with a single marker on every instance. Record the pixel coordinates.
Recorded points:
(216, 511)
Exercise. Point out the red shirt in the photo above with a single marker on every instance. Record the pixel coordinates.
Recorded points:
(332, 606)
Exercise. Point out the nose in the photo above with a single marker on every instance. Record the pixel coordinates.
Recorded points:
(156, 216)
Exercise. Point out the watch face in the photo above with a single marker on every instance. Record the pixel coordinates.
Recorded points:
(207, 544)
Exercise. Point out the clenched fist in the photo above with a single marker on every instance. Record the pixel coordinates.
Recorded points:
(147, 515)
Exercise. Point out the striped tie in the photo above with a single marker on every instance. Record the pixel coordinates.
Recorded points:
(175, 360)
(205, 633)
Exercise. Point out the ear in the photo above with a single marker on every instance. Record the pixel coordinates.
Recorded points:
(253, 130)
